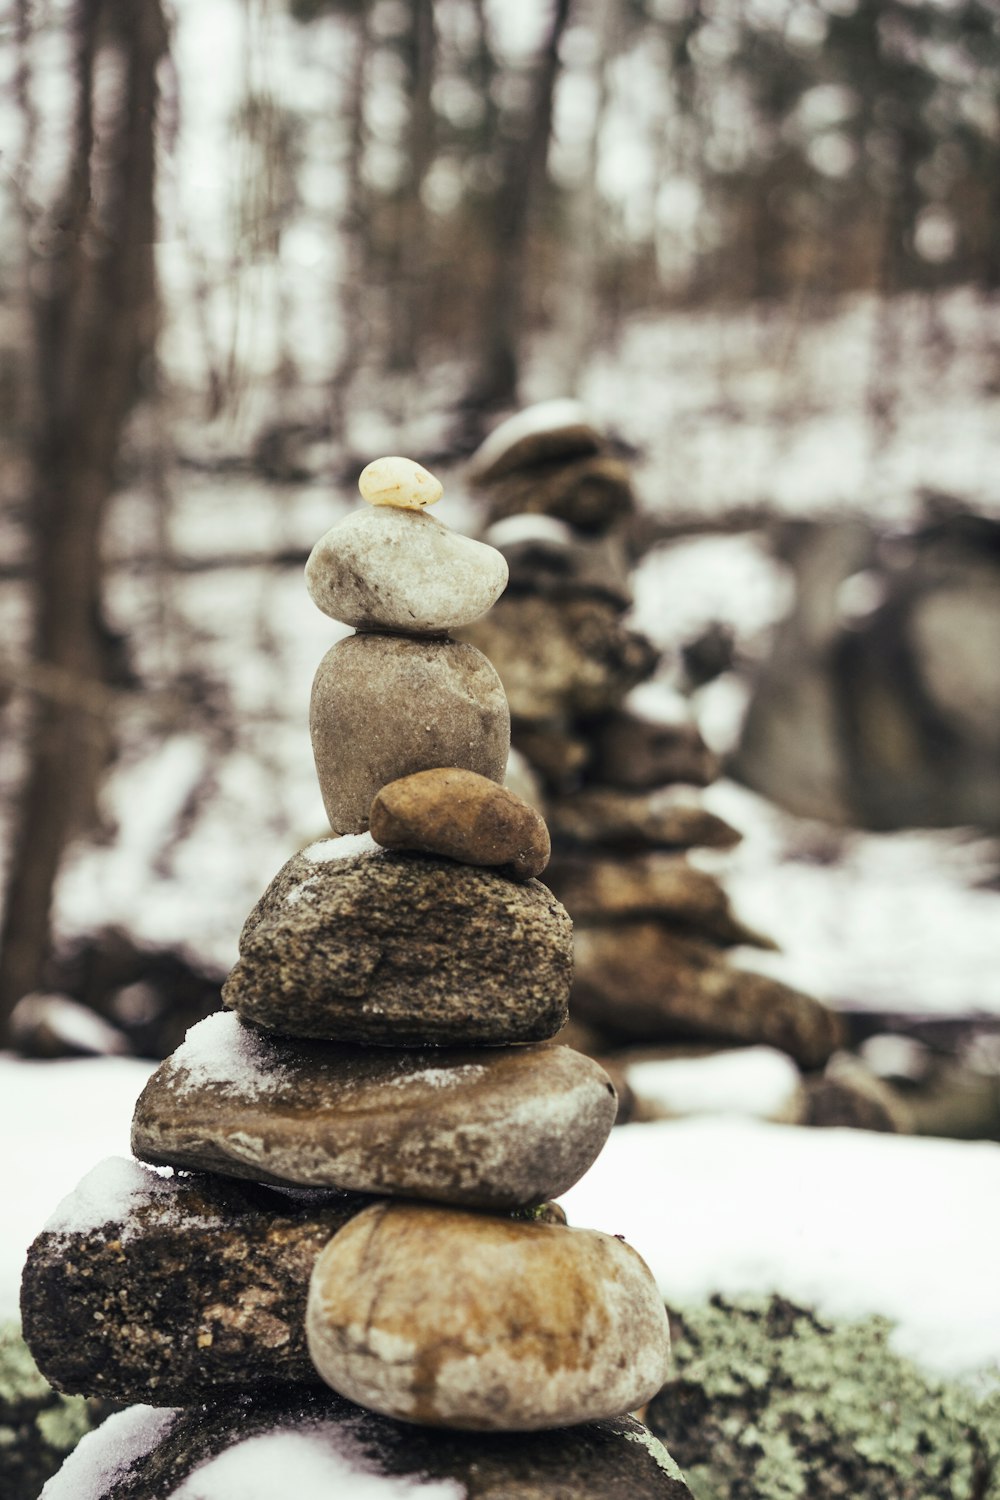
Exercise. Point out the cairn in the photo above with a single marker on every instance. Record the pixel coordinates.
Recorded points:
(620, 777)
(365, 1144)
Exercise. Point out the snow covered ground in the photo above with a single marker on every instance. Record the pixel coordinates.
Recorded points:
(846, 1221)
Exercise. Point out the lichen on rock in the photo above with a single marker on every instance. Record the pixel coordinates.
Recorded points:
(768, 1402)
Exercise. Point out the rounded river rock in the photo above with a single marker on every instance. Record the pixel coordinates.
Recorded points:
(462, 816)
(387, 569)
(464, 1320)
(496, 1128)
(356, 944)
(384, 706)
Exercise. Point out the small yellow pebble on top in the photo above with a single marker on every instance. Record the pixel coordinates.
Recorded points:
(399, 482)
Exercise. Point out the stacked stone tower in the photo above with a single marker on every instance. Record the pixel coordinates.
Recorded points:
(363, 1147)
(621, 778)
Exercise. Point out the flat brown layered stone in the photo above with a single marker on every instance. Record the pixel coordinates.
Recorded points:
(494, 1128)
(670, 817)
(354, 943)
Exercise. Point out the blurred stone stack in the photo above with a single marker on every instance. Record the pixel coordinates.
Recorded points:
(369, 1137)
(620, 769)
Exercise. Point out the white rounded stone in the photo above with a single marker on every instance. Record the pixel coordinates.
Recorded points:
(399, 570)
(453, 1319)
(399, 482)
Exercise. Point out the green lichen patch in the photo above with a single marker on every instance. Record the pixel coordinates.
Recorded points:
(768, 1402)
(38, 1427)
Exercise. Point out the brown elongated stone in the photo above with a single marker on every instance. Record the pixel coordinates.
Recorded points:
(462, 816)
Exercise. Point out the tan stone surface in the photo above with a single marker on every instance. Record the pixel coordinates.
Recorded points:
(384, 706)
(464, 1320)
(463, 816)
(353, 943)
(502, 1127)
(399, 482)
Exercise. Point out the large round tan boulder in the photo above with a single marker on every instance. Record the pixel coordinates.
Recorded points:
(498, 1127)
(382, 568)
(353, 943)
(462, 816)
(384, 706)
(463, 1320)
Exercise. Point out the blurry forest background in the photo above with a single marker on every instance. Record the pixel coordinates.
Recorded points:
(247, 245)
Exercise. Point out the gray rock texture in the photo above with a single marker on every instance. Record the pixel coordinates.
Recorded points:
(640, 981)
(649, 885)
(464, 1320)
(382, 568)
(180, 1289)
(494, 1128)
(615, 1460)
(668, 819)
(350, 943)
(559, 658)
(384, 706)
(462, 816)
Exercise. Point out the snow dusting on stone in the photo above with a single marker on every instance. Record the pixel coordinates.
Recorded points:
(223, 1053)
(347, 846)
(105, 1455)
(443, 1078)
(109, 1194)
(756, 1081)
(528, 527)
(321, 1462)
(544, 416)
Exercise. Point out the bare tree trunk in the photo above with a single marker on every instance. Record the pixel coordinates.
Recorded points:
(95, 322)
(409, 245)
(521, 184)
(354, 233)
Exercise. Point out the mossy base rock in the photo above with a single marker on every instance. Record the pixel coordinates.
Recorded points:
(648, 885)
(384, 706)
(498, 1128)
(452, 1319)
(151, 1455)
(561, 658)
(768, 1402)
(38, 1426)
(170, 1290)
(640, 981)
(352, 943)
(670, 818)
(462, 816)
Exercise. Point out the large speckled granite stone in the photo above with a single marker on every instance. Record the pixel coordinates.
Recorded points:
(353, 943)
(173, 1289)
(493, 1128)
(152, 1455)
(384, 706)
(453, 1319)
(638, 980)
